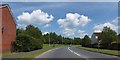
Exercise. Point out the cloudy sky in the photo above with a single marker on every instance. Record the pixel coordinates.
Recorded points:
(71, 19)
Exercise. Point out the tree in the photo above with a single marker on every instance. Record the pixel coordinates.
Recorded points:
(59, 38)
(46, 38)
(29, 39)
(20, 31)
(54, 38)
(33, 31)
(118, 39)
(24, 42)
(86, 41)
(36, 33)
(107, 36)
(77, 41)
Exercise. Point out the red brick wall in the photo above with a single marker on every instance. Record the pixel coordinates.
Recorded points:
(9, 30)
(0, 31)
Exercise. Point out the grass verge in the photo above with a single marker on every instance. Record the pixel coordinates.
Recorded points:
(8, 54)
(105, 51)
(36, 53)
(46, 47)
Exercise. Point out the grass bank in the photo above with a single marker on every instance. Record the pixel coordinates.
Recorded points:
(105, 51)
(8, 54)
(46, 47)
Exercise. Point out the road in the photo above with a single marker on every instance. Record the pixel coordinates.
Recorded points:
(75, 53)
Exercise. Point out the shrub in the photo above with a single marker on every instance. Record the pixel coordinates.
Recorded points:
(24, 43)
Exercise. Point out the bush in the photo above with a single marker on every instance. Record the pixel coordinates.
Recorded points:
(86, 41)
(29, 39)
(25, 43)
(114, 46)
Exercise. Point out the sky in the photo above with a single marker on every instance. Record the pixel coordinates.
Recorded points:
(70, 19)
(59, 0)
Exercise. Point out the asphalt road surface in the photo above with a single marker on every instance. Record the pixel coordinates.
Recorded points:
(73, 53)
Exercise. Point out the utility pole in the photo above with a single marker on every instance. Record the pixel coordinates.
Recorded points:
(49, 33)
(99, 44)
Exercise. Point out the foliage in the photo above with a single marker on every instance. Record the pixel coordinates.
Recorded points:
(56, 39)
(28, 39)
(107, 36)
(25, 43)
(33, 31)
(77, 41)
(118, 39)
(86, 41)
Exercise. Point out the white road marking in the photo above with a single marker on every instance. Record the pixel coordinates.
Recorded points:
(77, 53)
(73, 52)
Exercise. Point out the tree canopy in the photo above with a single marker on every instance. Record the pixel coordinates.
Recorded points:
(29, 39)
(86, 41)
(107, 36)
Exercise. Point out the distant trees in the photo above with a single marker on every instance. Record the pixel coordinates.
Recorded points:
(67, 41)
(56, 39)
(86, 41)
(77, 41)
(118, 39)
(29, 39)
(107, 37)
(53, 37)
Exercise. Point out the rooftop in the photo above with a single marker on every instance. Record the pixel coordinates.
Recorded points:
(3, 5)
(97, 33)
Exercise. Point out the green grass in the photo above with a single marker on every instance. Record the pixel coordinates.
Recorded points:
(106, 51)
(46, 47)
(0, 55)
(51, 45)
(36, 53)
(8, 54)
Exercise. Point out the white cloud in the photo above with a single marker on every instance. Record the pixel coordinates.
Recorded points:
(81, 31)
(82, 35)
(47, 25)
(99, 28)
(72, 22)
(37, 17)
(68, 32)
(115, 20)
(23, 26)
(45, 33)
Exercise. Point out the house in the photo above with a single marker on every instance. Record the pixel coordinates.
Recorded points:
(7, 28)
(94, 38)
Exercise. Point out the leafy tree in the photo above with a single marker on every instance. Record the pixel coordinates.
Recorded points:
(118, 39)
(54, 38)
(20, 31)
(77, 41)
(107, 36)
(46, 38)
(29, 39)
(36, 33)
(25, 43)
(86, 41)
(59, 38)
(33, 31)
